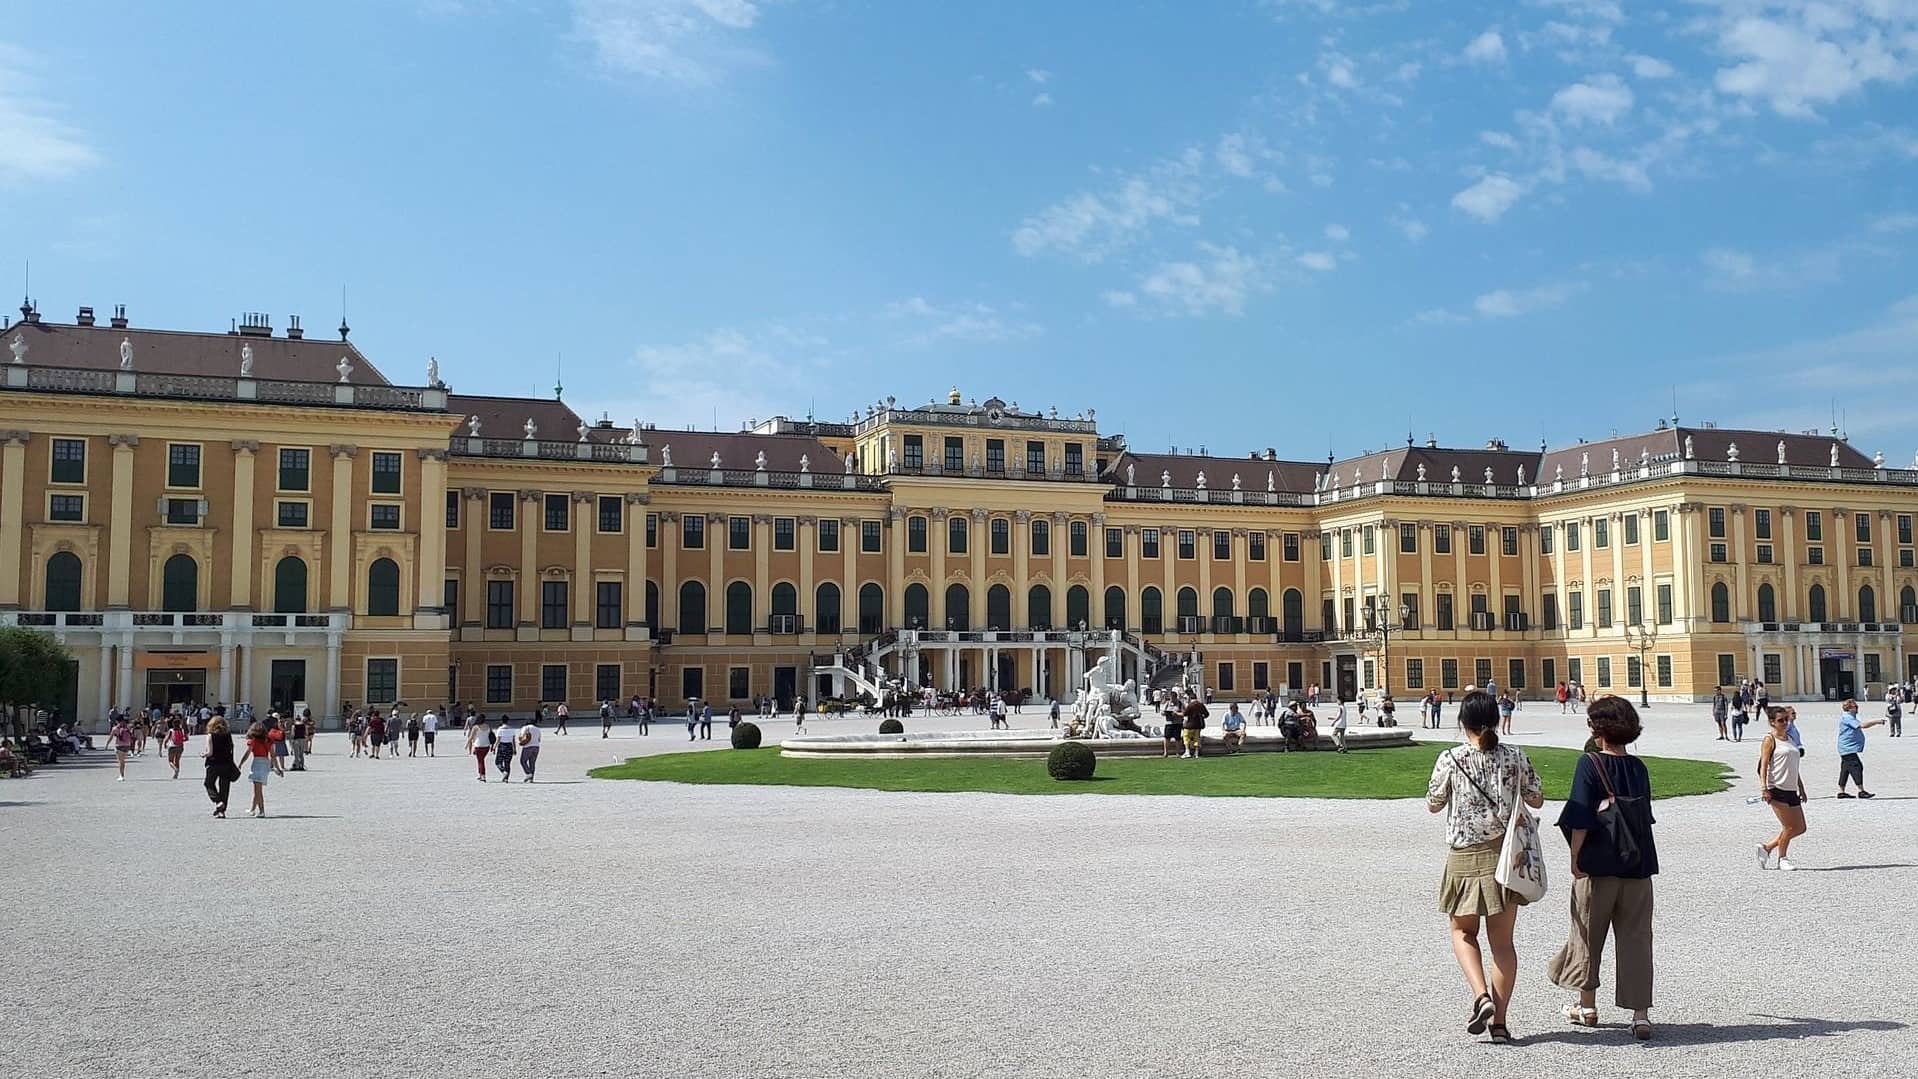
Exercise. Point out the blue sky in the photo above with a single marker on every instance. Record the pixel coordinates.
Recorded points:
(1311, 224)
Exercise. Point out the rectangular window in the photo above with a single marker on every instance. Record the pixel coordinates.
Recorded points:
(739, 533)
(1874, 671)
(1448, 674)
(995, 455)
(1350, 611)
(1475, 539)
(1661, 525)
(1221, 546)
(1601, 533)
(383, 517)
(606, 683)
(499, 605)
(1634, 671)
(499, 511)
(1727, 669)
(1325, 546)
(1290, 546)
(552, 682)
(1575, 669)
(916, 535)
(1545, 541)
(1515, 674)
(1443, 610)
(1715, 522)
(386, 474)
(955, 455)
(552, 605)
(1548, 610)
(612, 515)
(1442, 539)
(1863, 526)
(1604, 607)
(1905, 560)
(1716, 552)
(739, 684)
(1904, 528)
(1036, 458)
(692, 532)
(1815, 556)
(1409, 610)
(1864, 556)
(1604, 672)
(291, 515)
(1634, 605)
(67, 508)
(1148, 543)
(785, 536)
(182, 465)
(452, 509)
(1408, 539)
(382, 681)
(1571, 536)
(652, 530)
(1345, 543)
(957, 534)
(1575, 610)
(1764, 554)
(1481, 673)
(1077, 538)
(1814, 525)
(450, 601)
(999, 534)
(1414, 674)
(869, 536)
(296, 470)
(1255, 546)
(692, 682)
(1774, 668)
(1631, 529)
(610, 608)
(1664, 669)
(1368, 541)
(1188, 543)
(828, 529)
(1115, 543)
(499, 683)
(1664, 603)
(70, 461)
(1761, 524)
(1075, 459)
(1227, 676)
(915, 451)
(1508, 541)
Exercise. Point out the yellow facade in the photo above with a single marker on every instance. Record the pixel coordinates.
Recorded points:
(192, 533)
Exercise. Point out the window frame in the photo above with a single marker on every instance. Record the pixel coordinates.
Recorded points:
(496, 499)
(397, 472)
(77, 515)
(54, 461)
(618, 517)
(602, 604)
(305, 470)
(871, 536)
(555, 613)
(375, 511)
(495, 605)
(198, 464)
(390, 666)
(499, 683)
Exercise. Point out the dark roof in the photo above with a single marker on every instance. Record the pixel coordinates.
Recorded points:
(740, 450)
(1297, 477)
(1402, 465)
(1708, 444)
(179, 352)
(505, 418)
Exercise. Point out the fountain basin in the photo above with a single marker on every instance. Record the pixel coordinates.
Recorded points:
(1038, 742)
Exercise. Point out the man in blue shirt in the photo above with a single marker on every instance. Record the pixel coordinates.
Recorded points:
(1851, 742)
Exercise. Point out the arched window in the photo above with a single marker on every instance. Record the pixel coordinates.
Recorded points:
(1721, 603)
(918, 607)
(955, 534)
(180, 584)
(1151, 611)
(825, 607)
(1039, 607)
(1867, 604)
(785, 598)
(1908, 605)
(1115, 607)
(1815, 609)
(958, 607)
(383, 588)
(1257, 605)
(1188, 603)
(739, 607)
(1767, 604)
(999, 608)
(1292, 607)
(1222, 602)
(289, 586)
(63, 582)
(1078, 607)
(692, 607)
(872, 607)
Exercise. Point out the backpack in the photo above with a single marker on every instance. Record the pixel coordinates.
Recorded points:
(1620, 822)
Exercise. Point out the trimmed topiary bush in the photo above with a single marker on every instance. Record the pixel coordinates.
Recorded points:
(1071, 760)
(891, 726)
(746, 736)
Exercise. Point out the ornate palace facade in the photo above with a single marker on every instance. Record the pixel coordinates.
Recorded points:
(263, 516)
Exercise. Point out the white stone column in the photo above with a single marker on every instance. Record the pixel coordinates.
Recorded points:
(226, 672)
(105, 679)
(330, 699)
(129, 695)
(245, 690)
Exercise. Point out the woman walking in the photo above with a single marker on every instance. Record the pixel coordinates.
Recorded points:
(175, 745)
(123, 742)
(259, 751)
(413, 735)
(1783, 790)
(1479, 783)
(479, 742)
(375, 734)
(276, 735)
(1611, 871)
(503, 755)
(220, 769)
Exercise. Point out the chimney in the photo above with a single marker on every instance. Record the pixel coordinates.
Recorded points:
(119, 320)
(293, 331)
(29, 312)
(256, 324)
(84, 318)
(1271, 454)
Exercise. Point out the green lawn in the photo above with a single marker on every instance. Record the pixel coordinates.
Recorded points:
(1374, 773)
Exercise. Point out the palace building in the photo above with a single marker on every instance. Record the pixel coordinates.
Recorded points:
(263, 516)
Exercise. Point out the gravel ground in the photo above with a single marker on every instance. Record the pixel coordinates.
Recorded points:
(399, 918)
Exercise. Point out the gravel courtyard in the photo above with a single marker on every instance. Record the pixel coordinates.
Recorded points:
(399, 918)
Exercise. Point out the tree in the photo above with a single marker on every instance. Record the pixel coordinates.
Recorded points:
(33, 668)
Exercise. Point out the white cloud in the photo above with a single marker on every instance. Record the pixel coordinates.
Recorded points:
(1410, 227)
(1337, 233)
(1219, 283)
(1092, 225)
(1039, 75)
(968, 321)
(35, 143)
(1339, 71)
(1600, 99)
(1650, 67)
(1489, 198)
(1729, 265)
(725, 375)
(1321, 261)
(1601, 166)
(1233, 157)
(691, 42)
(1897, 222)
(1041, 100)
(1487, 48)
(1438, 316)
(1734, 270)
(1120, 298)
(1499, 139)
(1796, 55)
(1511, 303)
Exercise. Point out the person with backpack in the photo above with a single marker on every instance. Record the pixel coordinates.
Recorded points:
(413, 735)
(1194, 726)
(1607, 820)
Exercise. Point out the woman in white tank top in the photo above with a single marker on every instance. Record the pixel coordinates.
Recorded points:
(1784, 789)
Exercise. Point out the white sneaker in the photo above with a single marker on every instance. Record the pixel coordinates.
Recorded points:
(119, 779)
(1785, 864)
(1764, 857)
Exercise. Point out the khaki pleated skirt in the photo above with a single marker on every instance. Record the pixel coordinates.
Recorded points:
(1467, 886)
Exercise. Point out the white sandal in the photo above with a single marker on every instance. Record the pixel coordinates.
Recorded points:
(1580, 1016)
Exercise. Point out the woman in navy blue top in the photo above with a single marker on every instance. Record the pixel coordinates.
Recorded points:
(1608, 822)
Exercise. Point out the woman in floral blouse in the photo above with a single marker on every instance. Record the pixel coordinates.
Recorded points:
(1477, 782)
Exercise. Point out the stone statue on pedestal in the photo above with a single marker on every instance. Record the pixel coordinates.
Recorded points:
(530, 429)
(246, 360)
(126, 355)
(18, 346)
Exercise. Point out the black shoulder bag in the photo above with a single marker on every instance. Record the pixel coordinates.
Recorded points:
(1620, 820)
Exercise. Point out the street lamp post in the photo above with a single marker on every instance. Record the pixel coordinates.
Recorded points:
(1382, 629)
(1641, 637)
